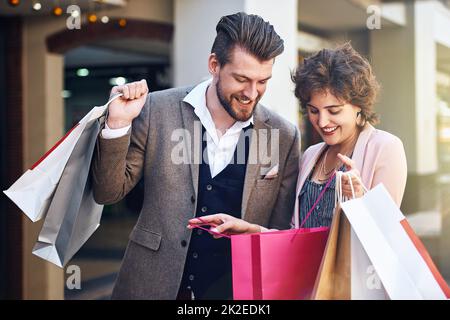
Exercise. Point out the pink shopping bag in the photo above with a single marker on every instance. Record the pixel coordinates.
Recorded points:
(279, 265)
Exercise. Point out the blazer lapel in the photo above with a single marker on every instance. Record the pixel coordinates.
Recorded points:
(193, 140)
(309, 165)
(252, 173)
(360, 147)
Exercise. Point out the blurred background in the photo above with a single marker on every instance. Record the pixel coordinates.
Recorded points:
(52, 71)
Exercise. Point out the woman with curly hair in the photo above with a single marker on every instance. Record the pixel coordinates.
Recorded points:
(337, 91)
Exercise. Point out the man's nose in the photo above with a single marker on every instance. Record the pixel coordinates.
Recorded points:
(251, 91)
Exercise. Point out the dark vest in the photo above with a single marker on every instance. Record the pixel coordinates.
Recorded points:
(207, 271)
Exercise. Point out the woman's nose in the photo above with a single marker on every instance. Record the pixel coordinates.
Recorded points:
(322, 121)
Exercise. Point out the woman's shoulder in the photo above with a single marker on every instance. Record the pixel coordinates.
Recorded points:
(312, 150)
(382, 139)
(309, 154)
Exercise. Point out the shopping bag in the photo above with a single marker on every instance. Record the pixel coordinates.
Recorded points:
(73, 215)
(333, 280)
(346, 272)
(33, 191)
(278, 265)
(365, 282)
(401, 261)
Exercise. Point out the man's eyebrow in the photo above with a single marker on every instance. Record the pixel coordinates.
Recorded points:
(242, 76)
(327, 107)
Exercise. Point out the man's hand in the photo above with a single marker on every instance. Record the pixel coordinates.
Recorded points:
(123, 110)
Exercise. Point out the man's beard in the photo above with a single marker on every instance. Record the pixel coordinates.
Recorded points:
(228, 107)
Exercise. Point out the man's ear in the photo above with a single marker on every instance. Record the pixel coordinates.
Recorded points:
(213, 64)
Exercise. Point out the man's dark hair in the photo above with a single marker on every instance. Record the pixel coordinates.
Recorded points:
(249, 32)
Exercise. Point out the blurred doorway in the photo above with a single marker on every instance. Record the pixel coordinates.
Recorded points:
(95, 60)
(11, 156)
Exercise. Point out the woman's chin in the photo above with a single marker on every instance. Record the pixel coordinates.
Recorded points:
(331, 141)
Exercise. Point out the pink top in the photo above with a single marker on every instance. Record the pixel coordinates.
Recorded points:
(379, 156)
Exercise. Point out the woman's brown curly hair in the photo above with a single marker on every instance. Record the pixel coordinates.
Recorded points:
(342, 71)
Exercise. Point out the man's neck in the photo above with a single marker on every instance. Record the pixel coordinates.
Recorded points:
(222, 120)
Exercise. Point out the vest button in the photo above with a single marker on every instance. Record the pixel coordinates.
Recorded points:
(209, 187)
(184, 243)
(195, 255)
(191, 277)
(192, 199)
(204, 209)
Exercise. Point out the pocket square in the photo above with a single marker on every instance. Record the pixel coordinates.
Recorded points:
(272, 173)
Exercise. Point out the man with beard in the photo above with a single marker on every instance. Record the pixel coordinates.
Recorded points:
(248, 165)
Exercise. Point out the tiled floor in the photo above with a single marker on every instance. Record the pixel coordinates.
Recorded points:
(100, 258)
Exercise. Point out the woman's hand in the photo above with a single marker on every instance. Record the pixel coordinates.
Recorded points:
(226, 224)
(357, 186)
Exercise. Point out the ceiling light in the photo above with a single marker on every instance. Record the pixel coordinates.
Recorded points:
(119, 81)
(57, 11)
(37, 6)
(83, 72)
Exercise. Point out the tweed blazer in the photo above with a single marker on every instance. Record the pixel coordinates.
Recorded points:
(164, 147)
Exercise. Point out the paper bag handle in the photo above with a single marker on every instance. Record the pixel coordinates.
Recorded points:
(339, 198)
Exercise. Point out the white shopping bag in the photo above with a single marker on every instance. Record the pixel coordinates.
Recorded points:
(398, 256)
(73, 214)
(33, 191)
(365, 282)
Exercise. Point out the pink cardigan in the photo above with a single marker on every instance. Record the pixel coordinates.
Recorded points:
(379, 156)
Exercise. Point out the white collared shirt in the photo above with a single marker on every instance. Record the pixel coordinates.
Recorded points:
(220, 150)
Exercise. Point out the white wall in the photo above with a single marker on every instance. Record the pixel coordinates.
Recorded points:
(405, 60)
(441, 22)
(392, 57)
(425, 76)
(195, 29)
